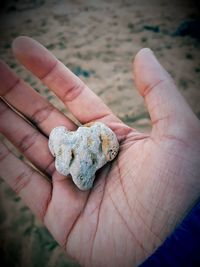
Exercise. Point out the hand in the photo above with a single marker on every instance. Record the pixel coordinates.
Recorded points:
(137, 199)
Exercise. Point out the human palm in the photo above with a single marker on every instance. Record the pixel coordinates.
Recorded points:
(137, 199)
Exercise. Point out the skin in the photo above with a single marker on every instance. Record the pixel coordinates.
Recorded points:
(137, 199)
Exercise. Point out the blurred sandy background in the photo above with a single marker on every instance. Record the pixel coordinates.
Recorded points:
(97, 40)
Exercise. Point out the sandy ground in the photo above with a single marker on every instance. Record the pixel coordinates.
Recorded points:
(97, 40)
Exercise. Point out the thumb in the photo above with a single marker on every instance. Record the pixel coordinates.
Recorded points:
(169, 112)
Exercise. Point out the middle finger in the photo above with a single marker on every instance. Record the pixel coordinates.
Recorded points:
(27, 139)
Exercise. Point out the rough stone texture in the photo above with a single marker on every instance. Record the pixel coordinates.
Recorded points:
(81, 153)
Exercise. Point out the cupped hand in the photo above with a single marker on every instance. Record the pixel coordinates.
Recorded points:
(139, 198)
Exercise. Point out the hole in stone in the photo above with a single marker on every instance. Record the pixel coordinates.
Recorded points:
(93, 158)
(72, 157)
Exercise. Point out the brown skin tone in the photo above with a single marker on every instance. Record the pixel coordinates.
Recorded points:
(139, 198)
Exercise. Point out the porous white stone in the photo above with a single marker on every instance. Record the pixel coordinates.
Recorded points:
(81, 153)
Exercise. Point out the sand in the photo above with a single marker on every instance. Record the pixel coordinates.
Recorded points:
(98, 41)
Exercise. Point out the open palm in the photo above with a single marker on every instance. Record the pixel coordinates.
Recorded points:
(137, 199)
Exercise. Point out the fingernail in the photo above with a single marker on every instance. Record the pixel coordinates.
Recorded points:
(151, 54)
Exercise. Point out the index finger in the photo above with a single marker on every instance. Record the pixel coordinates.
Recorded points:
(84, 104)
(30, 103)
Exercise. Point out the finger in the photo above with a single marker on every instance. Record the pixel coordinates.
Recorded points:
(31, 104)
(80, 100)
(164, 102)
(28, 140)
(30, 185)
